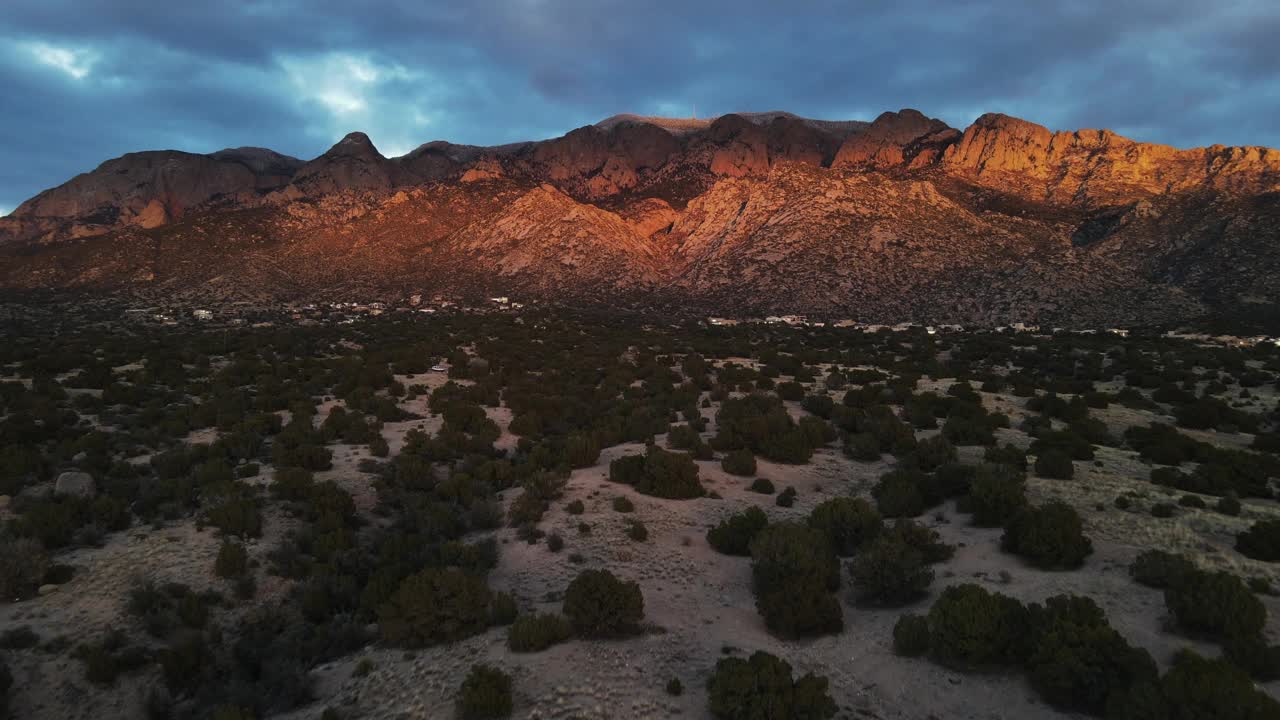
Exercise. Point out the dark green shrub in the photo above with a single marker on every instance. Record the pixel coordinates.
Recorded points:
(111, 657)
(598, 604)
(739, 462)
(764, 486)
(969, 430)
(792, 391)
(23, 563)
(6, 684)
(1068, 442)
(971, 628)
(1006, 455)
(997, 493)
(794, 575)
(1253, 655)
(1055, 464)
(786, 498)
(911, 635)
(1161, 444)
(503, 609)
(435, 606)
(535, 633)
(762, 687)
(582, 450)
(237, 516)
(923, 539)
(1216, 604)
(555, 543)
(1077, 660)
(1196, 688)
(636, 530)
(675, 688)
(820, 405)
(1191, 501)
(933, 452)
(848, 523)
(863, 446)
(485, 694)
(734, 534)
(1159, 569)
(545, 486)
(575, 508)
(233, 560)
(1228, 505)
(761, 424)
(623, 504)
(19, 638)
(526, 509)
(899, 493)
(659, 473)
(1051, 537)
(889, 572)
(683, 437)
(1163, 510)
(1261, 541)
(954, 479)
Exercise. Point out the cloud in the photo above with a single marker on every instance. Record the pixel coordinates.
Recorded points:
(74, 62)
(342, 91)
(89, 81)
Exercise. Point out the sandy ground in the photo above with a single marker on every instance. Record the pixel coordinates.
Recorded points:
(697, 602)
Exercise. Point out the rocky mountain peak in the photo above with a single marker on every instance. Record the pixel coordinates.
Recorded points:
(895, 139)
(261, 161)
(352, 164)
(354, 144)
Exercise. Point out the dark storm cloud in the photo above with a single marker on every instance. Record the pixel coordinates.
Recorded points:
(85, 81)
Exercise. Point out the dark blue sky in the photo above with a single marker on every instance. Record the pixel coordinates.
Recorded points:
(84, 81)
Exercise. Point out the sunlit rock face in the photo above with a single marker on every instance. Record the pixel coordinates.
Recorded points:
(898, 219)
(906, 137)
(351, 164)
(147, 189)
(1100, 167)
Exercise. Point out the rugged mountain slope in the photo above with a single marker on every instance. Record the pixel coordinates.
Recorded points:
(885, 249)
(901, 218)
(352, 164)
(147, 189)
(1098, 167)
(896, 139)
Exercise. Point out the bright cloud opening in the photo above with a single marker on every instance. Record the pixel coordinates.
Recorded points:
(73, 62)
(342, 83)
(355, 91)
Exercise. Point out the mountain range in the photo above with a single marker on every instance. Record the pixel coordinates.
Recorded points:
(902, 218)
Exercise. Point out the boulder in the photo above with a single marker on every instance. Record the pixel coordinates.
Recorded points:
(76, 484)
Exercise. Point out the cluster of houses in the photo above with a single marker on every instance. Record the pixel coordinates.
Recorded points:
(1228, 340)
(1017, 327)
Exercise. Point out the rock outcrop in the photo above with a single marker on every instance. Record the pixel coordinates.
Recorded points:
(75, 484)
(147, 189)
(738, 147)
(905, 138)
(353, 164)
(904, 218)
(1100, 167)
(604, 162)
